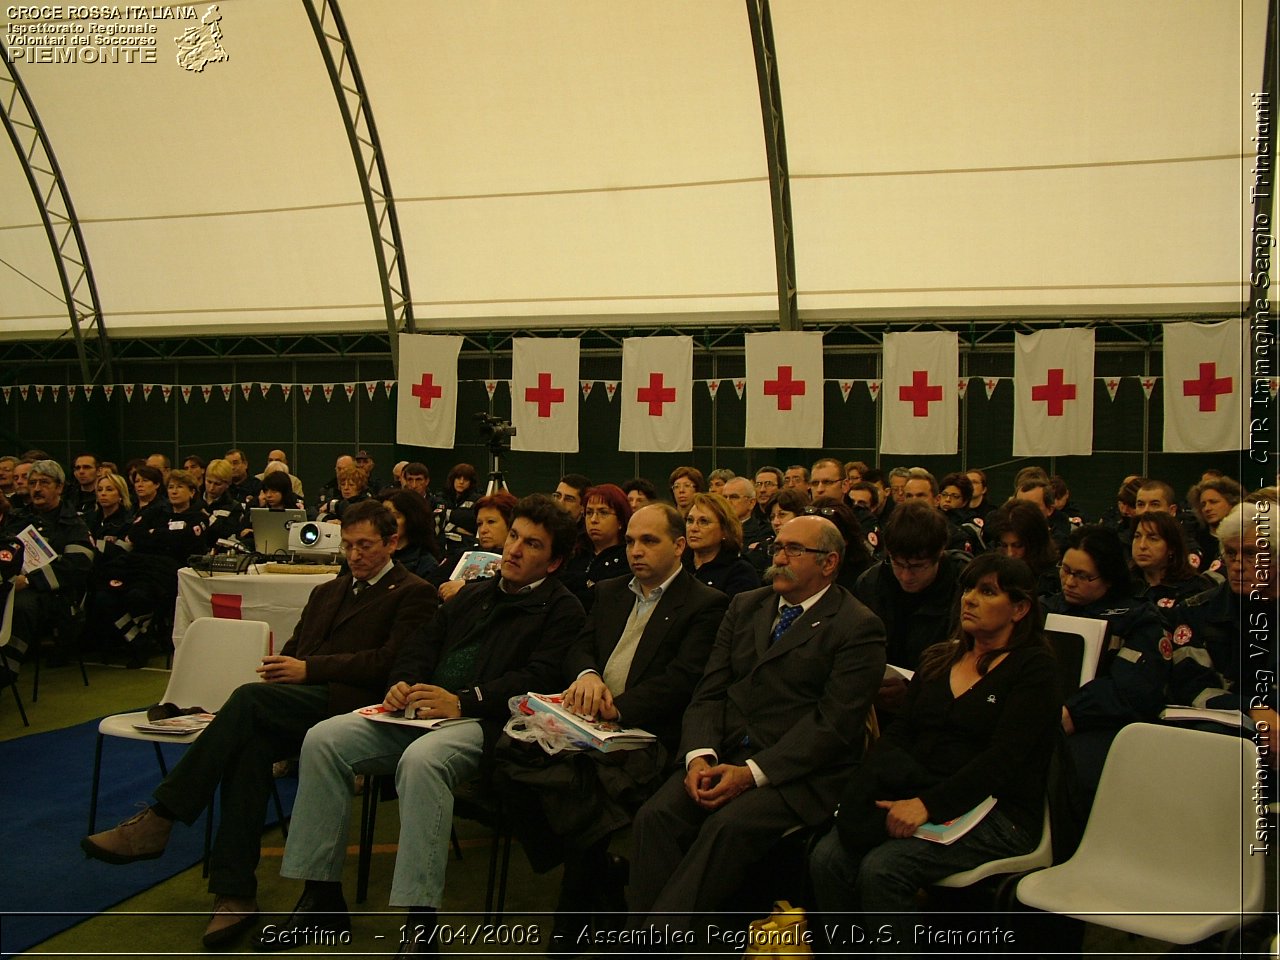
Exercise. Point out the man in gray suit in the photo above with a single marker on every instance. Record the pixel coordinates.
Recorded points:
(775, 726)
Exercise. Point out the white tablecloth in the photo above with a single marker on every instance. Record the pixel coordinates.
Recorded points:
(275, 598)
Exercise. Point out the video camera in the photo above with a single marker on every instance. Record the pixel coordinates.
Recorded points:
(496, 432)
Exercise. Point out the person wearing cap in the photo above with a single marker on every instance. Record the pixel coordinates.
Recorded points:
(364, 460)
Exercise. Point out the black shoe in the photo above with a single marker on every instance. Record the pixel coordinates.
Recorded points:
(316, 921)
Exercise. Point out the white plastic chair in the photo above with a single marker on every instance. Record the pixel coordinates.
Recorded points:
(214, 658)
(1008, 867)
(1165, 853)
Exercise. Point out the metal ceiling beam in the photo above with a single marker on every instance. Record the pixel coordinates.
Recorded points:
(366, 149)
(61, 226)
(775, 144)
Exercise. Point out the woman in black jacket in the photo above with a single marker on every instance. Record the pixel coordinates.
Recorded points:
(713, 533)
(416, 547)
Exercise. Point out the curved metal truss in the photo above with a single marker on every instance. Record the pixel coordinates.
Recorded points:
(775, 143)
(366, 150)
(61, 226)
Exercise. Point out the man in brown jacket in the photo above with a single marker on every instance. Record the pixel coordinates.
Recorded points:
(336, 660)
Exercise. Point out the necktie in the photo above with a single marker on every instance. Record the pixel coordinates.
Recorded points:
(785, 619)
(358, 586)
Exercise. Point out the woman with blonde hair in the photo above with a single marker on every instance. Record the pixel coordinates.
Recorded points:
(713, 534)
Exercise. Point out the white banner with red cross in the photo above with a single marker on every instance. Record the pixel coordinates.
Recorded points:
(1053, 393)
(919, 402)
(1204, 387)
(427, 398)
(544, 394)
(784, 390)
(657, 394)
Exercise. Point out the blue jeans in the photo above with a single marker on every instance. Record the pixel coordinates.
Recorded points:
(884, 879)
(428, 766)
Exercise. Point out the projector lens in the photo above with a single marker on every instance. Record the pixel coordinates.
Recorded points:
(309, 535)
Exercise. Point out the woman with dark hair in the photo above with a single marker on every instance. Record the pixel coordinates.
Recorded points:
(713, 534)
(1018, 530)
(955, 490)
(416, 547)
(857, 558)
(1128, 686)
(606, 515)
(979, 721)
(786, 504)
(276, 492)
(458, 505)
(685, 483)
(640, 492)
(147, 482)
(493, 523)
(1161, 562)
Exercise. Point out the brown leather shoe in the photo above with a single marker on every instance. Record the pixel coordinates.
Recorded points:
(231, 917)
(141, 837)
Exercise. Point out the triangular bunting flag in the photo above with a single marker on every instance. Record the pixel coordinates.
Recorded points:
(57, 391)
(989, 384)
(388, 384)
(873, 388)
(6, 391)
(246, 389)
(286, 389)
(846, 387)
(1113, 384)
(586, 388)
(207, 390)
(146, 390)
(740, 386)
(962, 387)
(226, 390)
(713, 387)
(128, 391)
(39, 391)
(24, 390)
(370, 386)
(306, 391)
(166, 389)
(1148, 384)
(490, 386)
(265, 388)
(350, 390)
(88, 390)
(327, 390)
(611, 388)
(186, 393)
(108, 389)
(71, 393)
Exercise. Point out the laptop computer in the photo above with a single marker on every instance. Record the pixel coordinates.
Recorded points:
(271, 530)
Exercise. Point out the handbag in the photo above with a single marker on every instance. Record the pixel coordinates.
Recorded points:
(784, 933)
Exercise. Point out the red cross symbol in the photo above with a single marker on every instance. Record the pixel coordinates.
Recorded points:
(543, 395)
(426, 391)
(655, 395)
(784, 388)
(1207, 387)
(919, 394)
(1054, 392)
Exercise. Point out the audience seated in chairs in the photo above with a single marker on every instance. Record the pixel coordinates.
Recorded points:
(496, 639)
(336, 661)
(493, 523)
(142, 580)
(714, 537)
(225, 517)
(353, 483)
(1018, 530)
(644, 648)
(603, 557)
(50, 599)
(980, 720)
(1162, 568)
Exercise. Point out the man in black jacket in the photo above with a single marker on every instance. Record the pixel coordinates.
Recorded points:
(497, 638)
(645, 645)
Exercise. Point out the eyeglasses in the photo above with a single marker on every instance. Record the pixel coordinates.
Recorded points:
(700, 522)
(794, 550)
(598, 512)
(736, 496)
(766, 484)
(827, 512)
(566, 497)
(913, 566)
(1077, 575)
(361, 546)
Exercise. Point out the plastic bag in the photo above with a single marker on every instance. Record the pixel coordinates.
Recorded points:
(530, 726)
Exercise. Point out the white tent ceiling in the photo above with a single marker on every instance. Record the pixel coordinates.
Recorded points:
(600, 161)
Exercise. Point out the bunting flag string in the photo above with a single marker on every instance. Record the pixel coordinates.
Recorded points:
(846, 387)
(989, 384)
(586, 388)
(489, 387)
(166, 391)
(713, 387)
(962, 387)
(387, 385)
(350, 390)
(327, 390)
(873, 388)
(207, 390)
(186, 394)
(1113, 384)
(226, 391)
(146, 390)
(6, 391)
(265, 388)
(370, 387)
(246, 389)
(39, 392)
(306, 391)
(108, 389)
(128, 392)
(1148, 384)
(286, 389)
(740, 386)
(611, 388)
(56, 391)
